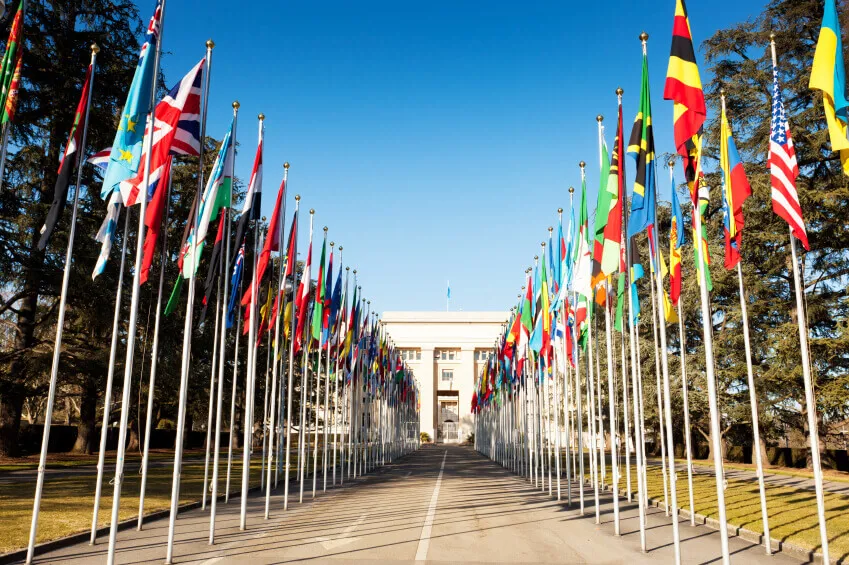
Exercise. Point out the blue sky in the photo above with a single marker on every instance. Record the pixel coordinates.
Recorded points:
(435, 140)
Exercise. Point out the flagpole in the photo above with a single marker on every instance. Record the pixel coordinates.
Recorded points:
(302, 452)
(154, 356)
(277, 429)
(275, 371)
(659, 394)
(213, 369)
(187, 326)
(684, 384)
(250, 382)
(134, 303)
(60, 323)
(341, 312)
(317, 387)
(233, 388)
(810, 399)
(291, 363)
(327, 385)
(107, 396)
(222, 350)
(707, 330)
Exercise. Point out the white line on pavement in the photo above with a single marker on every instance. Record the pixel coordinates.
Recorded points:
(424, 539)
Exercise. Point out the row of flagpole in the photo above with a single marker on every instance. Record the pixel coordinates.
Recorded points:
(376, 406)
(527, 387)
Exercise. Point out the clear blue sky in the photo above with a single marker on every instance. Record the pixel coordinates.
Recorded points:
(435, 140)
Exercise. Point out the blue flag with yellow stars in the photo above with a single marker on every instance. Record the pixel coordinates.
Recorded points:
(127, 147)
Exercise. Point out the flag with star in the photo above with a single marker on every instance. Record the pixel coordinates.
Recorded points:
(127, 148)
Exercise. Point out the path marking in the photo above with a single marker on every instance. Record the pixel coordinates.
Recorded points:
(344, 538)
(424, 539)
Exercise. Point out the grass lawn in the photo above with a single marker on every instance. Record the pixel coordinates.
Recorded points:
(792, 512)
(66, 505)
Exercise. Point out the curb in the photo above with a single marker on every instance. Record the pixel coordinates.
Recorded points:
(751, 536)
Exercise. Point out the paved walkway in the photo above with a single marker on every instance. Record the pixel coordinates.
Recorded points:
(440, 504)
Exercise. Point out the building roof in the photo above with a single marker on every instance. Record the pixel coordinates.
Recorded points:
(444, 317)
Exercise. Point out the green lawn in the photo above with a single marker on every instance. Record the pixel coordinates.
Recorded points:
(792, 512)
(67, 501)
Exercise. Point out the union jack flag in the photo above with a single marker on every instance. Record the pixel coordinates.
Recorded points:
(783, 167)
(176, 131)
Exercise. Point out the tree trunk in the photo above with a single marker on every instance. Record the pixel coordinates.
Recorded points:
(11, 404)
(764, 456)
(133, 442)
(88, 416)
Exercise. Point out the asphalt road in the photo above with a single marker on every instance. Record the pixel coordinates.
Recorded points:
(440, 504)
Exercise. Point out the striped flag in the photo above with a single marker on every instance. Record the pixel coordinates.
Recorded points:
(101, 158)
(641, 147)
(235, 280)
(676, 240)
(251, 205)
(66, 167)
(10, 71)
(828, 74)
(783, 168)
(610, 259)
(735, 190)
(684, 88)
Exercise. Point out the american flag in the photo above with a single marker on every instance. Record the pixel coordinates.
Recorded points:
(177, 130)
(783, 167)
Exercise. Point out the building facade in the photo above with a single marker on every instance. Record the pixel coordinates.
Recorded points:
(446, 351)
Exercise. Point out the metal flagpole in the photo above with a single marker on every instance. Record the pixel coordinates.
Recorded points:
(282, 289)
(614, 453)
(60, 323)
(250, 383)
(591, 414)
(327, 389)
(222, 350)
(211, 409)
(291, 364)
(580, 414)
(317, 403)
(658, 389)
(667, 405)
(707, 330)
(304, 371)
(685, 389)
(231, 435)
(187, 327)
(625, 407)
(134, 303)
(339, 317)
(810, 399)
(753, 398)
(107, 396)
(154, 357)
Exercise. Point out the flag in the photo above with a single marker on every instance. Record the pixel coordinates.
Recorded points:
(318, 310)
(326, 328)
(449, 288)
(176, 131)
(127, 147)
(335, 305)
(303, 297)
(101, 158)
(235, 281)
(641, 147)
(272, 240)
(10, 70)
(212, 272)
(106, 233)
(828, 74)
(676, 240)
(783, 168)
(153, 216)
(541, 337)
(610, 260)
(735, 190)
(684, 88)
(582, 276)
(601, 214)
(11, 104)
(252, 203)
(66, 166)
(218, 194)
(637, 272)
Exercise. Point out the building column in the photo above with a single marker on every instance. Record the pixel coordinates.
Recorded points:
(426, 375)
(465, 388)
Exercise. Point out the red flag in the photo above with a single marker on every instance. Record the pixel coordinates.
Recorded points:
(153, 221)
(271, 242)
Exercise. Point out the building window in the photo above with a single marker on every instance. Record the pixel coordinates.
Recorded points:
(482, 355)
(448, 355)
(410, 354)
(447, 375)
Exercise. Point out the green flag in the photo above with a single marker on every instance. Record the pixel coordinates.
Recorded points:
(318, 309)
